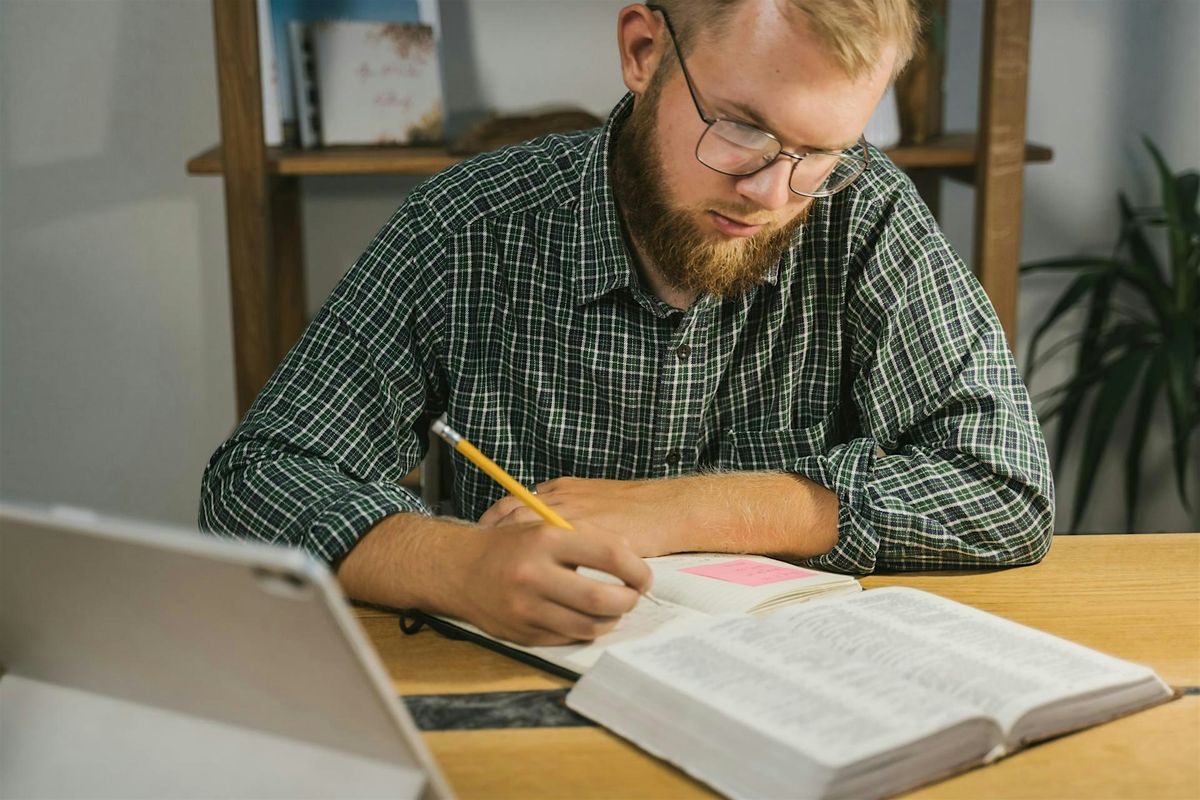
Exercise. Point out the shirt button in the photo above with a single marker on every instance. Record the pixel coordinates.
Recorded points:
(673, 457)
(684, 351)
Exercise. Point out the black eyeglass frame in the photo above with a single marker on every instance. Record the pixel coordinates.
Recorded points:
(796, 157)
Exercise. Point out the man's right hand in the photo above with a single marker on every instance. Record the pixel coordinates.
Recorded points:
(517, 582)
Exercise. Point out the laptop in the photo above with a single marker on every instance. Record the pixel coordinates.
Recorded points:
(140, 661)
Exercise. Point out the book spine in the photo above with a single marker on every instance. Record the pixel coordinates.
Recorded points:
(308, 117)
(272, 121)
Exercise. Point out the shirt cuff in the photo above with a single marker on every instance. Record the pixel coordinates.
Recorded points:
(846, 471)
(339, 526)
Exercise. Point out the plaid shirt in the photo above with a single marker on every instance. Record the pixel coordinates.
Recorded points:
(502, 292)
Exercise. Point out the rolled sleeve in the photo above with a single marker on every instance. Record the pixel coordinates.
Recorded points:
(319, 458)
(946, 466)
(846, 471)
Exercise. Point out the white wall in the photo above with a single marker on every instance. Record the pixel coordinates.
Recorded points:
(114, 323)
(115, 350)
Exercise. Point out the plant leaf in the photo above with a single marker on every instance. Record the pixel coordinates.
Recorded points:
(1145, 271)
(1053, 350)
(1070, 296)
(1182, 400)
(1151, 388)
(1152, 287)
(1170, 197)
(1073, 393)
(1090, 355)
(1178, 239)
(1187, 187)
(1071, 262)
(1131, 234)
(1064, 394)
(1107, 407)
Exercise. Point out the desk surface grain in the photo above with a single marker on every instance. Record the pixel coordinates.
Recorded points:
(1136, 597)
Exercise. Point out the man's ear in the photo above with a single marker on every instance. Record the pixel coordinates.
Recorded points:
(640, 39)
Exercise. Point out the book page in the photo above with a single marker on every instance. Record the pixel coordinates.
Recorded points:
(644, 619)
(771, 677)
(722, 583)
(997, 666)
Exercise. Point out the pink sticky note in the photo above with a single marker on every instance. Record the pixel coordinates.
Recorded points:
(749, 573)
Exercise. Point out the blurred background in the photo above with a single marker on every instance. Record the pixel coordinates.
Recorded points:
(116, 356)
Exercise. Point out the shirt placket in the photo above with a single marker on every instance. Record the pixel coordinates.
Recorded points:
(681, 392)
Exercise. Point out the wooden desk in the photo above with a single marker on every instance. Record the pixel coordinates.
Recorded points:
(1136, 597)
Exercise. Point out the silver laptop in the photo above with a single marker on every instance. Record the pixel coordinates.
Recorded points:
(139, 661)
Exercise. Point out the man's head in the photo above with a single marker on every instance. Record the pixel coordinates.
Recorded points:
(809, 72)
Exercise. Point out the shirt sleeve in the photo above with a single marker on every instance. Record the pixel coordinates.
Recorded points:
(318, 459)
(943, 464)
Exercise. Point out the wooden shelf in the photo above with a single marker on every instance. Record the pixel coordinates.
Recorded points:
(378, 160)
(952, 151)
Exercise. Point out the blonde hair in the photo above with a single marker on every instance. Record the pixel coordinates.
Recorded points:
(854, 32)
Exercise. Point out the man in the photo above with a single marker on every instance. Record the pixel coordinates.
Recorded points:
(721, 322)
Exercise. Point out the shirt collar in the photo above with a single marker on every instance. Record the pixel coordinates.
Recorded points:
(604, 261)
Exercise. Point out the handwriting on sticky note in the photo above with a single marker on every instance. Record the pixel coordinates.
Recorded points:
(749, 573)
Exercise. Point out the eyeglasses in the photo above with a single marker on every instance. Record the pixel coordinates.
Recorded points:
(735, 148)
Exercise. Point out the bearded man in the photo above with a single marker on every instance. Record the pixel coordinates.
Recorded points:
(721, 322)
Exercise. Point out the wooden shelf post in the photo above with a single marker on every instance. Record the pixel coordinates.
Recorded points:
(1003, 89)
(262, 213)
(919, 90)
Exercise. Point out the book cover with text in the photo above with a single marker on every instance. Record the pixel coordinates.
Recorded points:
(378, 83)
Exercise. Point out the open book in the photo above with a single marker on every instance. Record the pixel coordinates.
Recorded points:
(691, 588)
(858, 696)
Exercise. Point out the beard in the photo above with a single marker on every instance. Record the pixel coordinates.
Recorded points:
(688, 257)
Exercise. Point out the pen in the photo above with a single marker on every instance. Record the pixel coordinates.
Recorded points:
(494, 471)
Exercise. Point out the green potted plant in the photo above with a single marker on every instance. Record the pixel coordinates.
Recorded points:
(1140, 338)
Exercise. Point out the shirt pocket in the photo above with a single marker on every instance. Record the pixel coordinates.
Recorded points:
(749, 450)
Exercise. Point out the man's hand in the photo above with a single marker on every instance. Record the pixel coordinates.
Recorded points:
(518, 581)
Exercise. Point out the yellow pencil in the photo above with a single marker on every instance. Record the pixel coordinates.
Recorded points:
(497, 473)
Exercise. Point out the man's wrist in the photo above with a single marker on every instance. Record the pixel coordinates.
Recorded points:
(683, 509)
(407, 561)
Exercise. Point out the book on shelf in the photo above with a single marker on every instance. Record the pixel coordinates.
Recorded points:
(377, 83)
(268, 65)
(307, 113)
(278, 20)
(691, 589)
(863, 695)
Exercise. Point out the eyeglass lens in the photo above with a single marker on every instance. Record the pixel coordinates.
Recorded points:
(736, 149)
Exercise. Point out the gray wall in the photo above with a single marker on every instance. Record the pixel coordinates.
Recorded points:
(115, 348)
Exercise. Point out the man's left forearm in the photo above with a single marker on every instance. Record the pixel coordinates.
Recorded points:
(768, 513)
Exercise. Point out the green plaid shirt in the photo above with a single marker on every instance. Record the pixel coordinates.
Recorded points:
(502, 292)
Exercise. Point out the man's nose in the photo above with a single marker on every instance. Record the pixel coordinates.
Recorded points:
(768, 187)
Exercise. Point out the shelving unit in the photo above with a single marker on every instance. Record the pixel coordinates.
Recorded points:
(262, 185)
